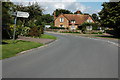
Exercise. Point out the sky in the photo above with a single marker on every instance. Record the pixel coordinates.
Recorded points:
(85, 6)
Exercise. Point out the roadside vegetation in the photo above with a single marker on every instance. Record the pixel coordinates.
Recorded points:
(10, 49)
(33, 26)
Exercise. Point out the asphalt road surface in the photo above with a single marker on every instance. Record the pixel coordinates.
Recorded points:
(68, 57)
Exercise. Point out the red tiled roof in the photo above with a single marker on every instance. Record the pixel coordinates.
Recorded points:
(79, 18)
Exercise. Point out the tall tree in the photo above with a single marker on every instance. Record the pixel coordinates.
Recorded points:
(6, 12)
(62, 11)
(95, 17)
(110, 15)
(7, 19)
(47, 18)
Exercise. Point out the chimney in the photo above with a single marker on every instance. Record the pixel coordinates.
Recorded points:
(78, 12)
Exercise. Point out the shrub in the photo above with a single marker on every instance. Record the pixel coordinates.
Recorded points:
(100, 32)
(57, 28)
(25, 31)
(69, 31)
(34, 32)
(94, 33)
(97, 33)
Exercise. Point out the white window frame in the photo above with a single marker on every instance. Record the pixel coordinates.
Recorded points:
(61, 19)
(89, 20)
(72, 21)
(61, 25)
(73, 27)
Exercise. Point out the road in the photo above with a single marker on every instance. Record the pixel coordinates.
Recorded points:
(68, 57)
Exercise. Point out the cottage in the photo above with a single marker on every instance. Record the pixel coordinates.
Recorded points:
(72, 21)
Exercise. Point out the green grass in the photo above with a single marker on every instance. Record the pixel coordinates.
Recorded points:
(9, 49)
(45, 36)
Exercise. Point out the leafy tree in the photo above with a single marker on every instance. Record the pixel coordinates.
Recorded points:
(110, 16)
(62, 11)
(84, 25)
(95, 17)
(33, 9)
(7, 19)
(6, 13)
(47, 18)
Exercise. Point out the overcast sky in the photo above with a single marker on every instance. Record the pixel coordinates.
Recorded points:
(93, 6)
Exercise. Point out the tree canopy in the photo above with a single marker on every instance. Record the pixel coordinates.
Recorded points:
(35, 21)
(60, 11)
(110, 16)
(95, 17)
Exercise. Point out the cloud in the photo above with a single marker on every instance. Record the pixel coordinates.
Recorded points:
(61, 0)
(43, 0)
(51, 5)
(72, 6)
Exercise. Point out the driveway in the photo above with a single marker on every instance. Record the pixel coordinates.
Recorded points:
(68, 57)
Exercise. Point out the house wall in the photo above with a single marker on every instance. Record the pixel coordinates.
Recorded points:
(65, 23)
(91, 19)
(70, 26)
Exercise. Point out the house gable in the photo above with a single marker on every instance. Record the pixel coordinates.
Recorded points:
(90, 19)
(57, 22)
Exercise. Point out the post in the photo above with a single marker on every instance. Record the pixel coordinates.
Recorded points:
(14, 28)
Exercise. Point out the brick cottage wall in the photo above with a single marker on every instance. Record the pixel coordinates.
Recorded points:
(57, 22)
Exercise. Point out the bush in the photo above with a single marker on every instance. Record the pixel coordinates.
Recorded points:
(69, 31)
(100, 32)
(96, 33)
(57, 28)
(25, 31)
(95, 26)
(34, 32)
(6, 32)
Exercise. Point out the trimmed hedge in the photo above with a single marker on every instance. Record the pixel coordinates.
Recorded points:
(57, 28)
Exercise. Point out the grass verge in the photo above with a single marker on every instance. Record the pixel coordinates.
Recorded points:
(45, 36)
(9, 49)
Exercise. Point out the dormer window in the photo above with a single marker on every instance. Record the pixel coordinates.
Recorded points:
(61, 19)
(89, 20)
(72, 21)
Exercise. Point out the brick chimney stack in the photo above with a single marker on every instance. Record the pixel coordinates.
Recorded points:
(78, 12)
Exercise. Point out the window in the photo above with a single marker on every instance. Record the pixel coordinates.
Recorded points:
(61, 25)
(72, 21)
(89, 20)
(61, 19)
(72, 27)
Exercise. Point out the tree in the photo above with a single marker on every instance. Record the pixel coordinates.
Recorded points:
(95, 17)
(84, 25)
(47, 18)
(7, 19)
(62, 11)
(110, 16)
(6, 13)
(33, 9)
